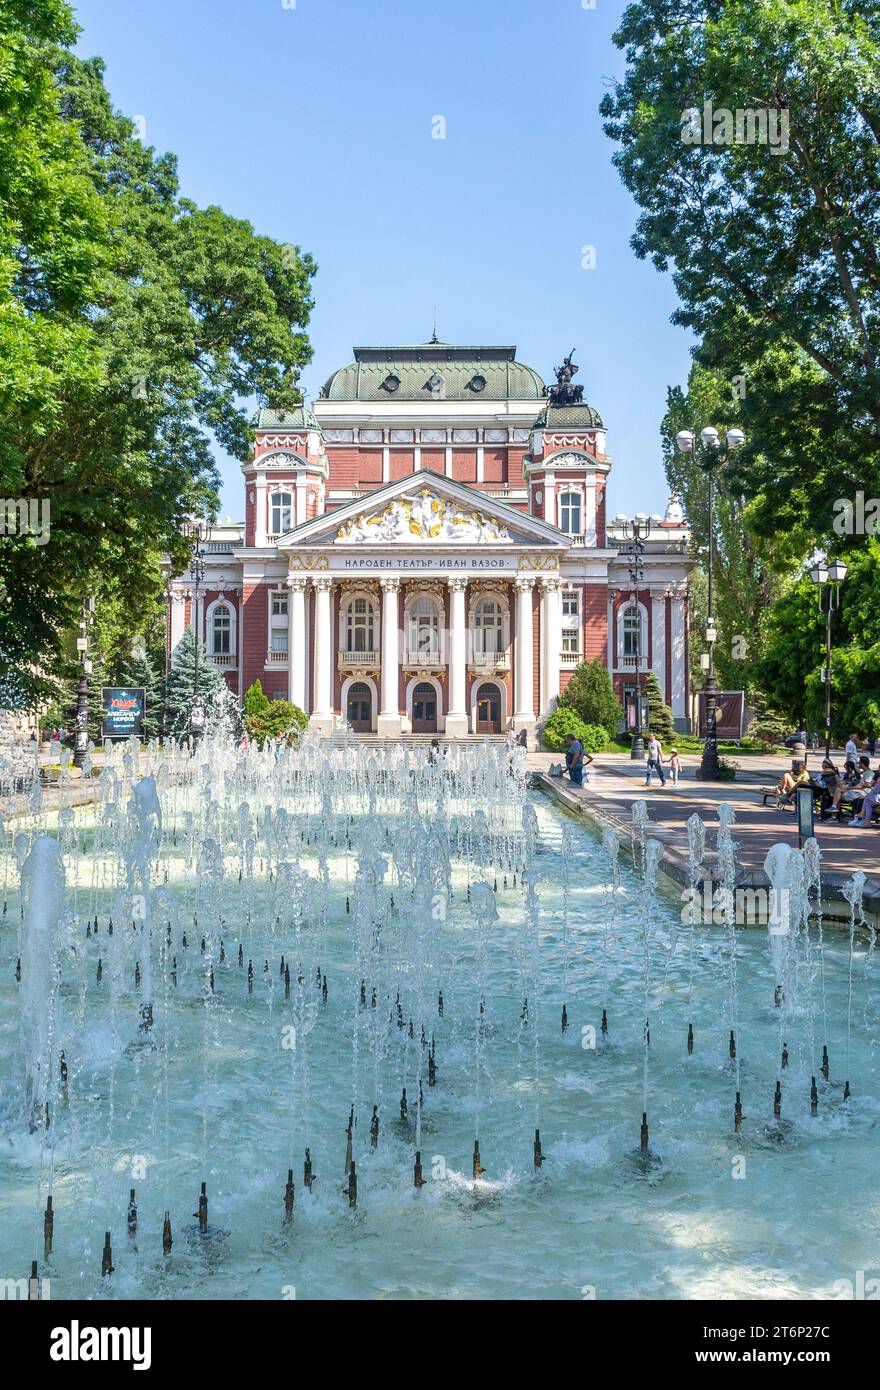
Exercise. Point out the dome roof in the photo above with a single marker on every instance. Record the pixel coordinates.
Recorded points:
(299, 419)
(434, 371)
(569, 417)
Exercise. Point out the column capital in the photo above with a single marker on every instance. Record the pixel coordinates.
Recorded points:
(322, 583)
(391, 584)
(457, 582)
(297, 582)
(525, 583)
(550, 583)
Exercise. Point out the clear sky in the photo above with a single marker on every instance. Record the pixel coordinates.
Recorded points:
(314, 120)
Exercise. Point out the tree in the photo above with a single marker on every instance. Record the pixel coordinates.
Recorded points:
(135, 329)
(265, 718)
(660, 720)
(137, 670)
(565, 720)
(790, 670)
(181, 684)
(590, 692)
(772, 240)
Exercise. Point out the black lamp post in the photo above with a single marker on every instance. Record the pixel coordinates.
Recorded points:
(828, 579)
(710, 457)
(635, 532)
(81, 731)
(198, 531)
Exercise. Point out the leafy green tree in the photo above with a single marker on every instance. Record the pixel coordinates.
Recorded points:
(135, 329)
(660, 720)
(790, 670)
(265, 718)
(590, 692)
(182, 683)
(773, 248)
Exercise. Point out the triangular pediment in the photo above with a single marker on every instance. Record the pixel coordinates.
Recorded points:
(427, 509)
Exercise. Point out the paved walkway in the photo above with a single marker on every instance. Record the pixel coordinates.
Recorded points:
(616, 782)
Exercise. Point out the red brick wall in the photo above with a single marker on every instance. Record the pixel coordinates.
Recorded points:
(402, 464)
(344, 467)
(594, 616)
(495, 465)
(464, 465)
(253, 633)
(434, 459)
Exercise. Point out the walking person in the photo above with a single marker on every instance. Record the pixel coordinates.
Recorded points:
(674, 766)
(655, 761)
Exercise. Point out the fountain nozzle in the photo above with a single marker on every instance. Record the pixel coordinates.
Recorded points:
(825, 1062)
(643, 1133)
(731, 1046)
(418, 1180)
(478, 1169)
(351, 1188)
(132, 1214)
(167, 1241)
(48, 1228)
(106, 1256)
(538, 1152)
(777, 1101)
(690, 1039)
(288, 1198)
(374, 1128)
(737, 1114)
(308, 1176)
(202, 1212)
(814, 1097)
(404, 1110)
(564, 1018)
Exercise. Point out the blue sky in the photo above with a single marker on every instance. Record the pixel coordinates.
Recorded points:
(313, 119)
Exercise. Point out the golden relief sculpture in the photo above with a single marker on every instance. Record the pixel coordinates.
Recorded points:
(425, 517)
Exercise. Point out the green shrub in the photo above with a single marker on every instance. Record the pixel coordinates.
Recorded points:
(265, 718)
(590, 693)
(565, 721)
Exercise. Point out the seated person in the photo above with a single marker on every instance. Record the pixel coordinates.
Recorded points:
(789, 783)
(826, 783)
(856, 781)
(863, 812)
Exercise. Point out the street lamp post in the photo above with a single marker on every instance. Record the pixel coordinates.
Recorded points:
(712, 456)
(828, 579)
(635, 532)
(81, 730)
(198, 531)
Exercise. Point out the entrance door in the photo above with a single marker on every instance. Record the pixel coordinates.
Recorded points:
(488, 710)
(424, 716)
(360, 708)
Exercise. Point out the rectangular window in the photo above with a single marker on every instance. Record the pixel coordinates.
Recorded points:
(570, 639)
(279, 605)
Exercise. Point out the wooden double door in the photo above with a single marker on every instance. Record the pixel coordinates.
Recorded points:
(488, 709)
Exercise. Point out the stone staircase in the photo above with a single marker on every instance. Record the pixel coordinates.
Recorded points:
(410, 740)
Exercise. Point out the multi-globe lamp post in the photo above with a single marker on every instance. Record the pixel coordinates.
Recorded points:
(635, 531)
(709, 455)
(198, 532)
(828, 579)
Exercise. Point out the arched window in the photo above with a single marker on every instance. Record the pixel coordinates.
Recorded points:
(632, 632)
(488, 627)
(423, 624)
(281, 513)
(221, 630)
(570, 513)
(359, 625)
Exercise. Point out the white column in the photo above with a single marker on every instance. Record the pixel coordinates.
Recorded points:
(550, 499)
(524, 713)
(658, 639)
(551, 643)
(178, 604)
(301, 500)
(590, 510)
(448, 465)
(389, 712)
(322, 717)
(296, 640)
(457, 717)
(260, 514)
(679, 669)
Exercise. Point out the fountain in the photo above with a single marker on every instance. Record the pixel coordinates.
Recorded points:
(233, 958)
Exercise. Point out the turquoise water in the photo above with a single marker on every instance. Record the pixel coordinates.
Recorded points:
(222, 1091)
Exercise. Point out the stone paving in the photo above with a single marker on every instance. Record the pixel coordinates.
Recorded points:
(616, 782)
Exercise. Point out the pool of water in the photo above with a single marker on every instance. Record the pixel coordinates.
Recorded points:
(388, 881)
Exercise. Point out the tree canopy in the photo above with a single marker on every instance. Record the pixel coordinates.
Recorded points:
(135, 329)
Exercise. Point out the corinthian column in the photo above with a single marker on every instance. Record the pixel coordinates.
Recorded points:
(456, 715)
(296, 639)
(524, 713)
(322, 714)
(551, 642)
(388, 723)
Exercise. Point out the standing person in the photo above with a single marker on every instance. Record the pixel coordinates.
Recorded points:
(674, 766)
(655, 760)
(851, 752)
(815, 741)
(872, 745)
(576, 759)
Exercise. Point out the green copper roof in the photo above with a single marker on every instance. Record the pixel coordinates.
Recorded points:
(434, 371)
(569, 417)
(299, 419)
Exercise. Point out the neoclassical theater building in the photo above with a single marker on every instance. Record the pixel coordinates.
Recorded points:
(426, 549)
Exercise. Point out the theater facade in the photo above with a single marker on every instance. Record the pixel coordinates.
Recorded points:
(426, 549)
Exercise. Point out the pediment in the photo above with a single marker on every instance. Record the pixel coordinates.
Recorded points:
(425, 509)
